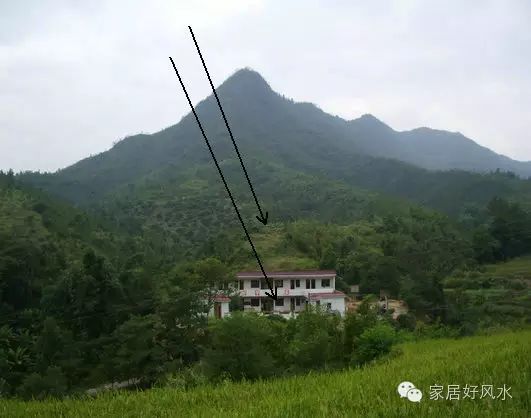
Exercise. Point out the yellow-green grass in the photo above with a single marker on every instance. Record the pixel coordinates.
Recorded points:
(519, 267)
(276, 254)
(369, 392)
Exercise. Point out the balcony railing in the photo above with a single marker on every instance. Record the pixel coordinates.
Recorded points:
(283, 292)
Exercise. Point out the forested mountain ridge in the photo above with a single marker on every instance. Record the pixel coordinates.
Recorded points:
(295, 136)
(432, 149)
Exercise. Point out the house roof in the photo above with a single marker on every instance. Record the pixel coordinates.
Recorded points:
(286, 274)
(329, 295)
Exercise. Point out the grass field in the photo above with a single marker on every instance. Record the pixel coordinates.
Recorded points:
(370, 392)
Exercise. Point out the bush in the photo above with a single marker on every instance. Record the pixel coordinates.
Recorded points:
(187, 378)
(373, 343)
(238, 348)
(315, 340)
(435, 330)
(52, 383)
(406, 321)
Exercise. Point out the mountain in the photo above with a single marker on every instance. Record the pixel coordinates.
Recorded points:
(296, 155)
(430, 148)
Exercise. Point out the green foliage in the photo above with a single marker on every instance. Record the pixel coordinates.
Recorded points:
(510, 227)
(435, 330)
(186, 378)
(356, 323)
(498, 294)
(50, 344)
(406, 321)
(51, 383)
(247, 346)
(368, 391)
(302, 145)
(316, 340)
(124, 292)
(238, 348)
(374, 342)
(137, 350)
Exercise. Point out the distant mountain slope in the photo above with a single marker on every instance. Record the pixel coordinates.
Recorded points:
(430, 148)
(30, 215)
(183, 208)
(298, 137)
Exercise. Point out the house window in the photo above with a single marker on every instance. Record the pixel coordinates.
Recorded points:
(264, 285)
(329, 306)
(279, 283)
(246, 302)
(298, 302)
(292, 284)
(241, 284)
(297, 283)
(255, 284)
(255, 302)
(310, 283)
(325, 283)
(279, 302)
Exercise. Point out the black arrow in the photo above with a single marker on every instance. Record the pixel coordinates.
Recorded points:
(273, 293)
(261, 218)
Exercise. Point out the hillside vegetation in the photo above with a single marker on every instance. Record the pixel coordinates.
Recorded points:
(494, 293)
(503, 359)
(294, 139)
(86, 300)
(304, 164)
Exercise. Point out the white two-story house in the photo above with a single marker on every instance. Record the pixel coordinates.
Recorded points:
(295, 289)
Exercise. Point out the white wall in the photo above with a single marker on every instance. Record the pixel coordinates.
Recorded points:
(224, 309)
(338, 304)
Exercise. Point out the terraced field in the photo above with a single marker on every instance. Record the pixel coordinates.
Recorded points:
(500, 293)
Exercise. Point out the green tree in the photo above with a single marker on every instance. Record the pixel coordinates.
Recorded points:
(39, 386)
(137, 351)
(237, 348)
(374, 342)
(50, 344)
(511, 227)
(316, 340)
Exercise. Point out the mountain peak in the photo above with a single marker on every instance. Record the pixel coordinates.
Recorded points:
(247, 73)
(245, 79)
(368, 120)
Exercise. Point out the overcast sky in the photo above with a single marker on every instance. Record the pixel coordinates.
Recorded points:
(75, 76)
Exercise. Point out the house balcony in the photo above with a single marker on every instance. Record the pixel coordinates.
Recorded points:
(282, 292)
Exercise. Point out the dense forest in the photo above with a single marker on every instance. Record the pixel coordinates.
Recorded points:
(88, 298)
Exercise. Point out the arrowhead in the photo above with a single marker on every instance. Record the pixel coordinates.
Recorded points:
(263, 219)
(272, 295)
